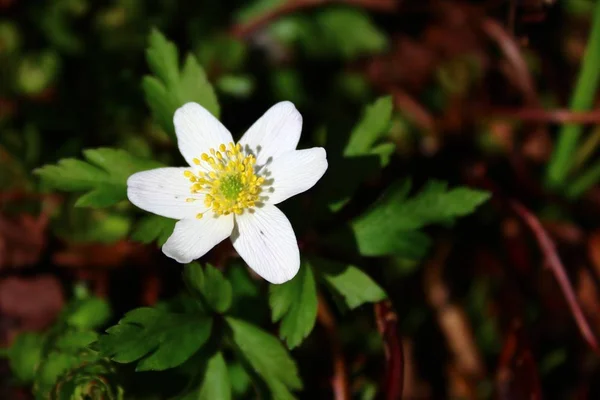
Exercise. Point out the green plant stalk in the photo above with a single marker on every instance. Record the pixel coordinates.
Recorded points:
(585, 181)
(583, 98)
(586, 150)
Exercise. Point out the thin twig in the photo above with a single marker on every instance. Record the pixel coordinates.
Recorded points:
(558, 116)
(553, 262)
(512, 52)
(413, 109)
(339, 381)
(242, 31)
(387, 324)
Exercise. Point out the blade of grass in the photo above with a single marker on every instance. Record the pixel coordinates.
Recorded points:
(582, 99)
(584, 181)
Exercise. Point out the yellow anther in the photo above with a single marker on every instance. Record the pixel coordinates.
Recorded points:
(188, 174)
(229, 184)
(199, 215)
(190, 200)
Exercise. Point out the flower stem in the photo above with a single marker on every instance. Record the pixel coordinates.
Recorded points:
(582, 99)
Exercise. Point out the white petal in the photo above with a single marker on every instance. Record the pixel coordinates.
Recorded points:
(276, 132)
(163, 191)
(266, 241)
(197, 131)
(192, 238)
(294, 172)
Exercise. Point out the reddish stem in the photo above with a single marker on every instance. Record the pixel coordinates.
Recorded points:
(387, 324)
(559, 116)
(555, 265)
(339, 381)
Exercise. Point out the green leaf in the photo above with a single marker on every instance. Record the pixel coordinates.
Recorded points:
(89, 313)
(210, 284)
(360, 151)
(215, 384)
(350, 32)
(391, 226)
(73, 340)
(103, 176)
(160, 339)
(351, 283)
(152, 228)
(172, 87)
(374, 123)
(267, 357)
(24, 356)
(295, 304)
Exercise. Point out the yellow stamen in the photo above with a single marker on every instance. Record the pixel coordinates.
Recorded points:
(230, 183)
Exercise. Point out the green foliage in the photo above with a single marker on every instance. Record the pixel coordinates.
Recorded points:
(361, 152)
(170, 87)
(60, 364)
(351, 32)
(339, 32)
(215, 384)
(391, 226)
(24, 356)
(103, 175)
(210, 285)
(157, 338)
(351, 283)
(295, 304)
(88, 313)
(90, 381)
(371, 128)
(153, 228)
(267, 357)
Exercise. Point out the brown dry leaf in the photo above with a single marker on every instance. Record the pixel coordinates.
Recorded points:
(22, 239)
(30, 303)
(452, 320)
(98, 255)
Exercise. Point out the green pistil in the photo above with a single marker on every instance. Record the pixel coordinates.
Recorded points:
(231, 186)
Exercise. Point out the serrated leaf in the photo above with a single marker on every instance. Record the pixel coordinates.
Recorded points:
(72, 340)
(152, 228)
(391, 226)
(172, 87)
(215, 384)
(295, 304)
(351, 283)
(103, 176)
(210, 284)
(267, 357)
(363, 144)
(24, 356)
(158, 338)
(373, 125)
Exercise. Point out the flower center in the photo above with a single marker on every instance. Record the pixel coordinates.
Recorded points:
(227, 179)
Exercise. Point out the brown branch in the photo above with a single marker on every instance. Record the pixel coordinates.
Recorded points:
(244, 30)
(387, 324)
(559, 116)
(339, 381)
(555, 265)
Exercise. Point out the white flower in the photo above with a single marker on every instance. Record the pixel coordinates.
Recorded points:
(232, 189)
